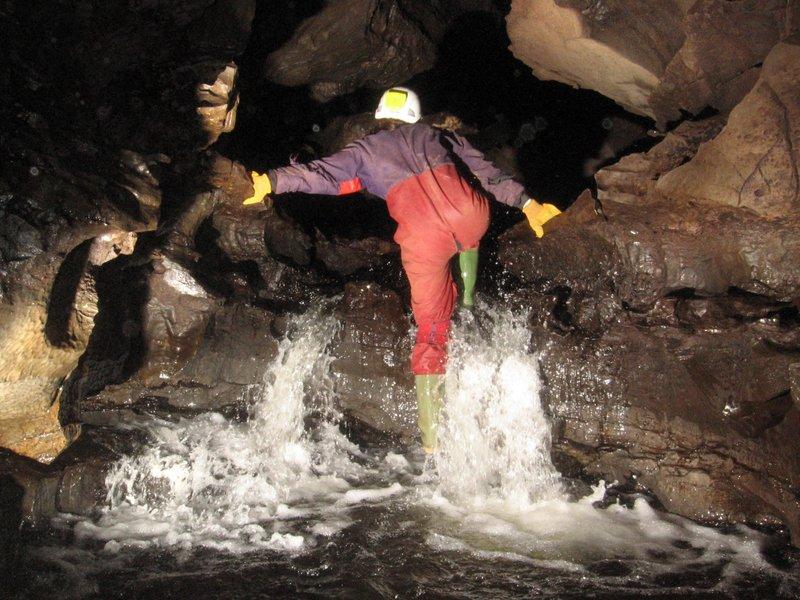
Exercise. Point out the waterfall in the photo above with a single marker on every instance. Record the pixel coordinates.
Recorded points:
(213, 481)
(495, 438)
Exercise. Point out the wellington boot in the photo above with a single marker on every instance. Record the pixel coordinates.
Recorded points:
(430, 399)
(468, 267)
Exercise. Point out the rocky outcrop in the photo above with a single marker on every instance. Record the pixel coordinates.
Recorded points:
(99, 121)
(644, 253)
(676, 297)
(699, 417)
(755, 162)
(633, 178)
(379, 45)
(655, 58)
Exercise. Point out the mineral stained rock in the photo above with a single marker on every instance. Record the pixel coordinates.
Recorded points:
(656, 57)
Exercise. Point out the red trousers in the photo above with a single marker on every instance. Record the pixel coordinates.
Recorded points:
(438, 214)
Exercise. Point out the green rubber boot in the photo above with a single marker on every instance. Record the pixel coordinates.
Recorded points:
(468, 265)
(430, 399)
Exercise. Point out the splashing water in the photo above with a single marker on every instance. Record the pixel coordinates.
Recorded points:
(274, 483)
(213, 482)
(495, 438)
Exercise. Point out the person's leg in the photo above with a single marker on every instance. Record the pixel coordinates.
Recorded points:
(430, 401)
(433, 295)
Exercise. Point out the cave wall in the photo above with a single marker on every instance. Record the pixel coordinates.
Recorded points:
(657, 58)
(665, 310)
(381, 44)
(675, 297)
(100, 115)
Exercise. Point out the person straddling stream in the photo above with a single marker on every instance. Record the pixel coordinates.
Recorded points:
(435, 185)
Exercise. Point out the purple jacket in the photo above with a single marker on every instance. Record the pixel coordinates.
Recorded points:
(380, 161)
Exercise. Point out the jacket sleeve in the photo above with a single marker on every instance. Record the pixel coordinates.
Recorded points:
(334, 175)
(501, 185)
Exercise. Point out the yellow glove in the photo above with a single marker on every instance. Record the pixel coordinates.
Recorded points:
(538, 215)
(262, 187)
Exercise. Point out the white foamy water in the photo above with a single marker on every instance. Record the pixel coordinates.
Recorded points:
(273, 482)
(211, 482)
(495, 438)
(499, 495)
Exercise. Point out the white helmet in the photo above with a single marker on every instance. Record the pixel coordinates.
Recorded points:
(399, 103)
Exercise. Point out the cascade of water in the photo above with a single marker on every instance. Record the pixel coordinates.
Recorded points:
(495, 438)
(207, 478)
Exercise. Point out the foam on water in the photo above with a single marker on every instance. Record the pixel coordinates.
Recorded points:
(495, 438)
(212, 482)
(270, 483)
(499, 493)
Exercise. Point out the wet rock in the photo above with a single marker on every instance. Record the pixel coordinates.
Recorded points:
(220, 366)
(46, 322)
(646, 252)
(371, 366)
(671, 335)
(378, 45)
(75, 482)
(654, 58)
(347, 257)
(695, 418)
(101, 113)
(174, 318)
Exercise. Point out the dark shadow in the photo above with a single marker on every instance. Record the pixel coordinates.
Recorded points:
(115, 347)
(11, 495)
(554, 128)
(63, 294)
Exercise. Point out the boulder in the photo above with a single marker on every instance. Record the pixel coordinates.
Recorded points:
(646, 252)
(633, 178)
(379, 44)
(655, 58)
(371, 365)
(701, 419)
(74, 483)
(214, 358)
(755, 161)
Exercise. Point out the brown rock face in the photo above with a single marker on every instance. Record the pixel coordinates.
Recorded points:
(371, 365)
(655, 58)
(100, 112)
(755, 161)
(676, 365)
(378, 45)
(633, 178)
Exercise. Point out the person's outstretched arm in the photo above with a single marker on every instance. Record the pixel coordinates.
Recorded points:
(501, 185)
(333, 175)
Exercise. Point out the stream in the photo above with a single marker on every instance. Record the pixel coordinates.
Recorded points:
(284, 504)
